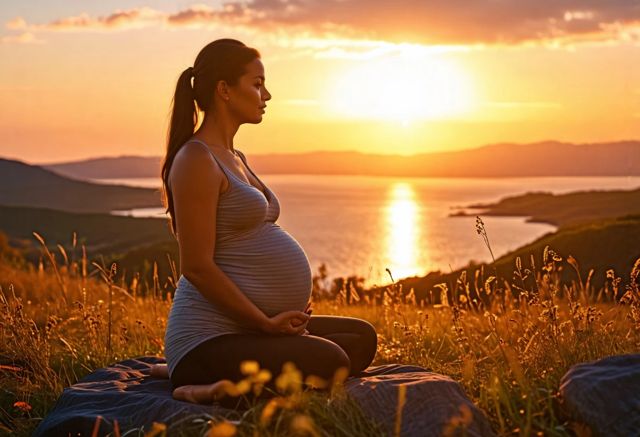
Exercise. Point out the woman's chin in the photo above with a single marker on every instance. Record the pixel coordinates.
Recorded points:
(256, 120)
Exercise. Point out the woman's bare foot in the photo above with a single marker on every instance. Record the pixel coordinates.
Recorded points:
(204, 394)
(159, 371)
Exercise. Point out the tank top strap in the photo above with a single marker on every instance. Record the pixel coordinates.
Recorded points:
(244, 159)
(225, 170)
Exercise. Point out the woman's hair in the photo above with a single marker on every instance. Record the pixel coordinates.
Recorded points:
(222, 59)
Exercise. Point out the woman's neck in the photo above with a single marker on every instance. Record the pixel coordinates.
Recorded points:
(217, 132)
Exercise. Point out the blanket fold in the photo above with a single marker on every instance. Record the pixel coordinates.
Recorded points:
(126, 392)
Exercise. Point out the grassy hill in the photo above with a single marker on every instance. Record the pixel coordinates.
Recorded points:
(97, 231)
(509, 358)
(28, 185)
(134, 243)
(608, 244)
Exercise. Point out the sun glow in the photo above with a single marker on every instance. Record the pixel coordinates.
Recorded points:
(402, 214)
(408, 86)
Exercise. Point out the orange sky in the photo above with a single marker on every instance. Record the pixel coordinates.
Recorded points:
(406, 77)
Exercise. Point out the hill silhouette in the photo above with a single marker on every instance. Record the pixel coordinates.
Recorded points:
(565, 209)
(134, 243)
(99, 232)
(603, 245)
(121, 167)
(547, 158)
(28, 185)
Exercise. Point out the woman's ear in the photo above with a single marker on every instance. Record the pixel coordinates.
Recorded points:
(222, 89)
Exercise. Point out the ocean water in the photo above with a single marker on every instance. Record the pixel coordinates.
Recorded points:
(361, 225)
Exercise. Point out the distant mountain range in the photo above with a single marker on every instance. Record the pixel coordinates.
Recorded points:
(28, 185)
(549, 158)
(121, 167)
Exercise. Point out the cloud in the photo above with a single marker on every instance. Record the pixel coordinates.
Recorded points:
(22, 38)
(17, 23)
(203, 15)
(432, 22)
(129, 19)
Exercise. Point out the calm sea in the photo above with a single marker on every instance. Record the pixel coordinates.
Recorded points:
(363, 225)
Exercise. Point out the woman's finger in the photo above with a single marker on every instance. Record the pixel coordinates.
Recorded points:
(303, 317)
(300, 330)
(296, 322)
(291, 330)
(297, 314)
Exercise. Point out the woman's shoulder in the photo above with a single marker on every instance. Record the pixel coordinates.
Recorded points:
(193, 150)
(194, 162)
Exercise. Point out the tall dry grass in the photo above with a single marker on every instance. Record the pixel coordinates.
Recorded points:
(66, 317)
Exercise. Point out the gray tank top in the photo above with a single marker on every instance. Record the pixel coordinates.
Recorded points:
(262, 259)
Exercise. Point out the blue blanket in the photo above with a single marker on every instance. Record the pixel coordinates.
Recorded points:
(604, 395)
(126, 392)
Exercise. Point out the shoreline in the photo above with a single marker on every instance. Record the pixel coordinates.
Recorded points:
(562, 210)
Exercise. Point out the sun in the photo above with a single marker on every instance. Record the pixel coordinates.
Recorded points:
(410, 85)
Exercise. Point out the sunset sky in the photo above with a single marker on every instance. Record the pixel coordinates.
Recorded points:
(80, 79)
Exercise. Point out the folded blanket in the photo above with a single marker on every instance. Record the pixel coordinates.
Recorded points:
(604, 395)
(125, 392)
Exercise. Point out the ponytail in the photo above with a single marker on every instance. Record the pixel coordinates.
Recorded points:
(184, 118)
(223, 59)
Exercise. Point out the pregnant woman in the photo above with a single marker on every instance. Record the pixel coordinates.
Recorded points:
(245, 283)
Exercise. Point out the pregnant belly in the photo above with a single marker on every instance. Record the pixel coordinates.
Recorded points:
(269, 266)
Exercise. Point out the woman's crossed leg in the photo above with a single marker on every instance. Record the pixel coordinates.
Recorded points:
(207, 371)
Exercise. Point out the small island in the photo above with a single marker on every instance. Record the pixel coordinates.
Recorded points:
(562, 210)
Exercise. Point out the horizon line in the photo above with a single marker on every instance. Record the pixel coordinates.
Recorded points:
(351, 151)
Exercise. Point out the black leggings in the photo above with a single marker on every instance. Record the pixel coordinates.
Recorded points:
(332, 342)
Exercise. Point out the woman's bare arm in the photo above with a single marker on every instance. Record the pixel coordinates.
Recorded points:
(195, 182)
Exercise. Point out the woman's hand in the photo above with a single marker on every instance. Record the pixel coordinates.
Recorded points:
(308, 310)
(288, 323)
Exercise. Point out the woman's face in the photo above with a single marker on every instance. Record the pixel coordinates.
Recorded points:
(247, 99)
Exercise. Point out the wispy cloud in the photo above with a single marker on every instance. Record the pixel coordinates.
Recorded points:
(118, 20)
(456, 22)
(21, 38)
(17, 23)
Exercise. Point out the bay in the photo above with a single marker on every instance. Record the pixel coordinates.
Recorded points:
(362, 225)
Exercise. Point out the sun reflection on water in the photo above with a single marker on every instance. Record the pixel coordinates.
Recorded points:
(403, 231)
